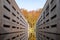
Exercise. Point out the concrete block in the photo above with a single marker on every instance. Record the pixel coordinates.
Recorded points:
(13, 36)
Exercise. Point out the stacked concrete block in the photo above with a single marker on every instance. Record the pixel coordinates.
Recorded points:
(48, 24)
(13, 25)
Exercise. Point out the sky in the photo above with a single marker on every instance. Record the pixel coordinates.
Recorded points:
(30, 4)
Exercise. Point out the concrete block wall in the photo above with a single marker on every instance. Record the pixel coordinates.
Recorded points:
(49, 26)
(13, 25)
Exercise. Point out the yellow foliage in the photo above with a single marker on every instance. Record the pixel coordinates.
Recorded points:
(31, 17)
